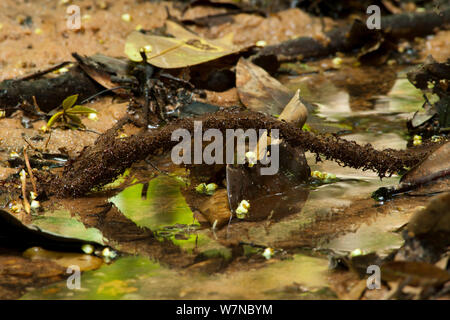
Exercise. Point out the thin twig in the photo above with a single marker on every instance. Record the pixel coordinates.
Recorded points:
(29, 144)
(43, 72)
(23, 180)
(90, 130)
(48, 140)
(37, 109)
(30, 170)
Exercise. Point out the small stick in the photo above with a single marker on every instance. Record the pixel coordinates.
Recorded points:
(43, 72)
(36, 105)
(29, 144)
(91, 131)
(30, 171)
(48, 140)
(23, 180)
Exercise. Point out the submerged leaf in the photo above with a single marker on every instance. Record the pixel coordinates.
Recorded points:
(216, 209)
(432, 219)
(404, 97)
(371, 237)
(66, 259)
(109, 282)
(161, 205)
(61, 222)
(55, 234)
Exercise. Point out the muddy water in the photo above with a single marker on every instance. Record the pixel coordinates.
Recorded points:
(164, 251)
(337, 216)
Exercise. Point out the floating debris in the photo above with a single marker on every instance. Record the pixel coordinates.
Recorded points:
(207, 189)
(109, 254)
(417, 140)
(324, 176)
(87, 248)
(242, 209)
(268, 253)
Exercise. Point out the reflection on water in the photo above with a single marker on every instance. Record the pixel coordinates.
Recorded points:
(156, 205)
(286, 202)
(137, 277)
(376, 116)
(376, 236)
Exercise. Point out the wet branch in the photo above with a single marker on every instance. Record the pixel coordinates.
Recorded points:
(345, 39)
(102, 162)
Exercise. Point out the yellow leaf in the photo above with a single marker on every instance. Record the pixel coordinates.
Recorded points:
(181, 33)
(187, 49)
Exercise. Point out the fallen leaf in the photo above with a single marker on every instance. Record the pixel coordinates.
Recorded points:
(61, 222)
(434, 166)
(160, 205)
(216, 209)
(259, 91)
(419, 273)
(186, 49)
(66, 259)
(432, 219)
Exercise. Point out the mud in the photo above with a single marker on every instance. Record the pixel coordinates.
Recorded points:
(18, 275)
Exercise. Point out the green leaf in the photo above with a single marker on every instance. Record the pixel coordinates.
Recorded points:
(60, 222)
(163, 204)
(404, 97)
(54, 119)
(75, 121)
(81, 110)
(69, 101)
